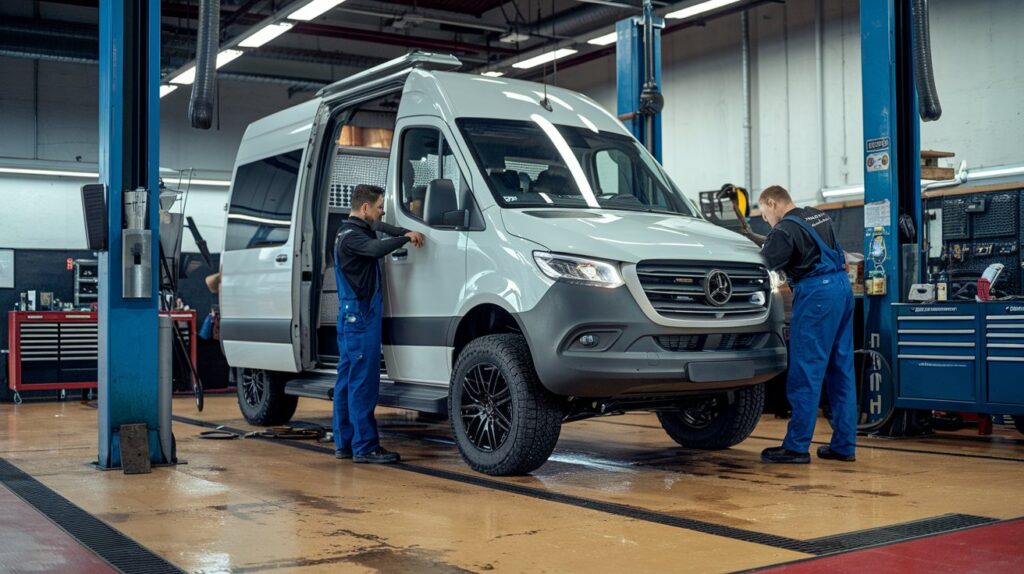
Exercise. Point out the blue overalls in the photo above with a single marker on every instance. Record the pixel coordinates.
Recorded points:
(358, 386)
(821, 349)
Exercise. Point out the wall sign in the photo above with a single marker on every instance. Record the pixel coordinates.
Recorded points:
(6, 269)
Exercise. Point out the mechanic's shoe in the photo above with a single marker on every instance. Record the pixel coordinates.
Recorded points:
(380, 455)
(779, 455)
(342, 453)
(827, 453)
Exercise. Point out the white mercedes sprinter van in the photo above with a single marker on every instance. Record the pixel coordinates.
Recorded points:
(564, 274)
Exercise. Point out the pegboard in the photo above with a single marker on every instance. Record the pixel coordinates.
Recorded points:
(954, 219)
(1000, 217)
(350, 170)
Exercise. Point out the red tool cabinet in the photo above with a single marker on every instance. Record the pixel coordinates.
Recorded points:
(58, 350)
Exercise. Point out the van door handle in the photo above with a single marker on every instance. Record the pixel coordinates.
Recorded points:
(400, 254)
(282, 258)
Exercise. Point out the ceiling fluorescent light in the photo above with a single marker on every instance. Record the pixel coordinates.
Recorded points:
(544, 58)
(166, 89)
(186, 77)
(609, 38)
(189, 75)
(313, 9)
(227, 56)
(513, 38)
(266, 34)
(54, 172)
(207, 182)
(493, 74)
(699, 9)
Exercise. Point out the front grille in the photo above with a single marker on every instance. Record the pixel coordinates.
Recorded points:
(677, 343)
(676, 289)
(723, 342)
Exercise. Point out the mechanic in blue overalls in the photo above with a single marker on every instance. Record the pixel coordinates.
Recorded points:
(357, 254)
(803, 244)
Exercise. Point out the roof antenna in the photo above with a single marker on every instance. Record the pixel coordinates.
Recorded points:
(545, 103)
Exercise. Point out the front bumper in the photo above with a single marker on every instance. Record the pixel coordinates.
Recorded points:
(630, 357)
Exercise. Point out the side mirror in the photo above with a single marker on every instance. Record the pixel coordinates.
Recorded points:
(441, 205)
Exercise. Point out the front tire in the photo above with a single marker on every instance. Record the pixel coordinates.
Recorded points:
(715, 422)
(261, 398)
(504, 421)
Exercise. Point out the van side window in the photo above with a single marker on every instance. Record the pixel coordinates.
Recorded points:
(418, 166)
(262, 196)
(614, 172)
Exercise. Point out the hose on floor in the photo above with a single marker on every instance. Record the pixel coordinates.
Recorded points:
(864, 424)
(295, 431)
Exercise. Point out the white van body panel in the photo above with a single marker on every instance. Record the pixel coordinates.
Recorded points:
(279, 132)
(631, 237)
(501, 270)
(256, 298)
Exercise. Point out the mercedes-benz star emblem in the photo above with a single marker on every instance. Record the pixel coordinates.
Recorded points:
(717, 287)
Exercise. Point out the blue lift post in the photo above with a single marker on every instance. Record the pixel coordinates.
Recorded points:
(892, 175)
(129, 161)
(632, 67)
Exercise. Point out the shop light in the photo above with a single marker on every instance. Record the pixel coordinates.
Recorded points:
(208, 182)
(53, 172)
(313, 9)
(699, 9)
(189, 75)
(166, 89)
(609, 38)
(544, 58)
(493, 74)
(266, 34)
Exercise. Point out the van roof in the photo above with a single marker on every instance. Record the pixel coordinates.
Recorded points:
(451, 95)
(458, 95)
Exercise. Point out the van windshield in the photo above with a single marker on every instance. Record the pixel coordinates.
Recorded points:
(538, 164)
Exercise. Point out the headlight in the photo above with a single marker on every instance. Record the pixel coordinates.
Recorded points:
(778, 279)
(578, 270)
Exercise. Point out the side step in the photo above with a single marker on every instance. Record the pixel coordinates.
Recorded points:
(421, 398)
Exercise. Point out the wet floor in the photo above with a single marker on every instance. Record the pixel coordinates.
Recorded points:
(618, 495)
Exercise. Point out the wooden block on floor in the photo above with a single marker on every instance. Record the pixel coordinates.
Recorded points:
(135, 449)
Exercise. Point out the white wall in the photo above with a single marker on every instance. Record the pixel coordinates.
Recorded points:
(48, 209)
(978, 54)
(979, 63)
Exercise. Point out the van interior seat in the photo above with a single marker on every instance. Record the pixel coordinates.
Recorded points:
(553, 181)
(507, 182)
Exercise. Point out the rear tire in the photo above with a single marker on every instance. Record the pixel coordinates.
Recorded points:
(261, 398)
(504, 421)
(714, 423)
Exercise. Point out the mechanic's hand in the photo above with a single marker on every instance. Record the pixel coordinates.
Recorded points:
(416, 238)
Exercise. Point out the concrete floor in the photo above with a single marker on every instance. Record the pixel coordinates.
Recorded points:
(617, 496)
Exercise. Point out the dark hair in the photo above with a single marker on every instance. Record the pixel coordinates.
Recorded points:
(775, 193)
(365, 193)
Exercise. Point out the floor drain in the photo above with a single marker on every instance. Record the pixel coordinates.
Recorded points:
(120, 551)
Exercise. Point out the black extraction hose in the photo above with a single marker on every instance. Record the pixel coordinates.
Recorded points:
(204, 88)
(924, 73)
(888, 391)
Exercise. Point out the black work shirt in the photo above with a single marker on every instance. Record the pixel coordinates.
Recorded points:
(357, 250)
(790, 247)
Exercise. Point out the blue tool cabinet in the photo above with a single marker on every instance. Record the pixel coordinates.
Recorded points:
(965, 357)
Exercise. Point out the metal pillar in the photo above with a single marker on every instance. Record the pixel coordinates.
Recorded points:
(129, 162)
(892, 170)
(633, 66)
